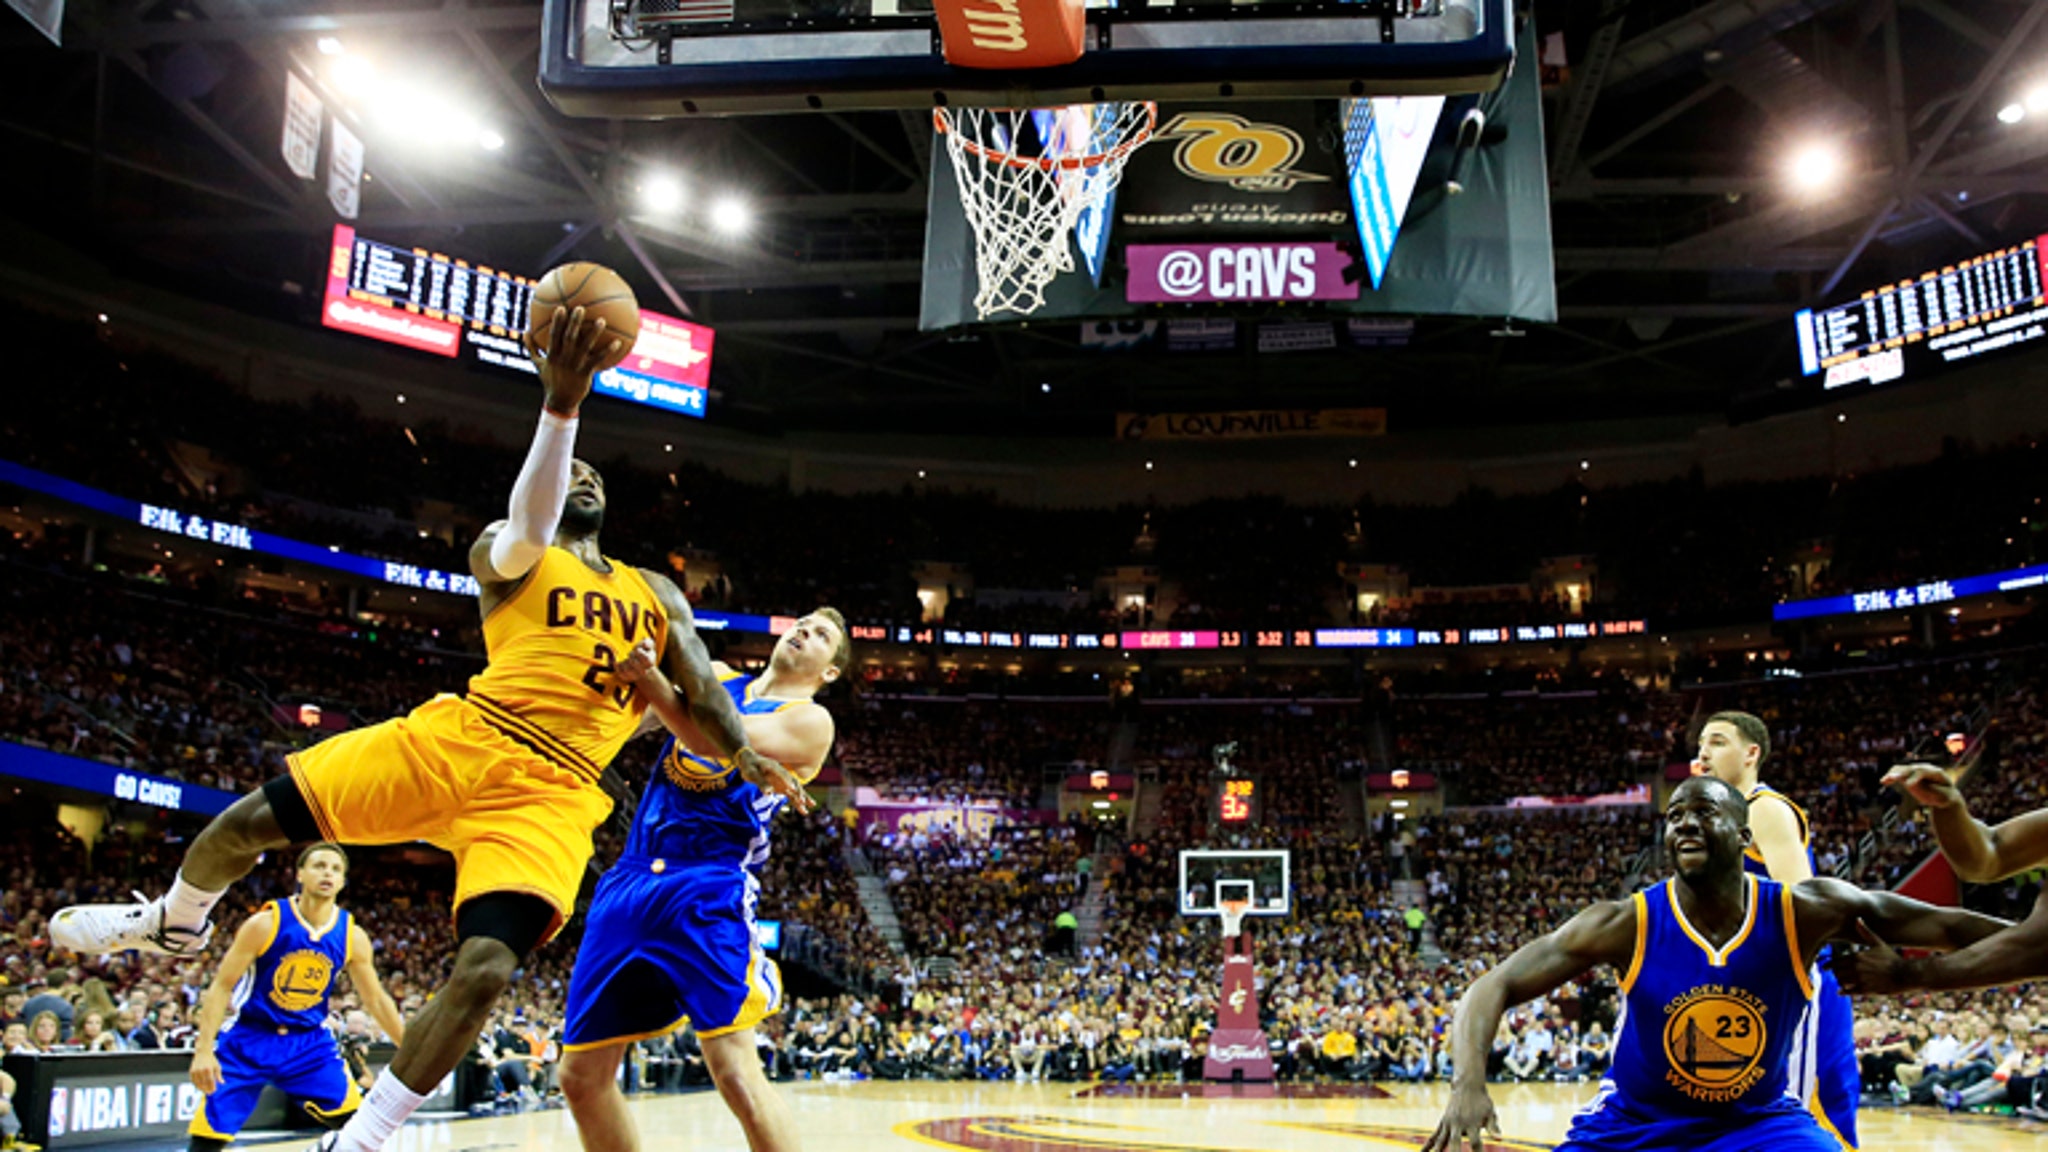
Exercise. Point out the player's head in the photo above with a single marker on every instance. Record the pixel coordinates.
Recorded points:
(815, 649)
(1706, 828)
(583, 510)
(1733, 747)
(323, 869)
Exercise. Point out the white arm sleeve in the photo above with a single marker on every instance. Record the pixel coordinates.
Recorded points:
(536, 498)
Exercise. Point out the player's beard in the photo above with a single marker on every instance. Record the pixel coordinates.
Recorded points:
(577, 521)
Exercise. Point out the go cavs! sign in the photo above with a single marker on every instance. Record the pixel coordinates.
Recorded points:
(1255, 170)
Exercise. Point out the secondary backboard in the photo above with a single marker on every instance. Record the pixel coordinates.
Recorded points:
(1209, 876)
(660, 59)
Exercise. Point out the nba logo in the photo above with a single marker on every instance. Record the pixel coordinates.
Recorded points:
(59, 1098)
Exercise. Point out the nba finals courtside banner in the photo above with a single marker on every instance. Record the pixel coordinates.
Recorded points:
(1259, 425)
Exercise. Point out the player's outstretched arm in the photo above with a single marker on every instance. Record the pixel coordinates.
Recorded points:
(1602, 934)
(2015, 955)
(250, 941)
(362, 972)
(1828, 909)
(795, 740)
(716, 718)
(1979, 854)
(510, 548)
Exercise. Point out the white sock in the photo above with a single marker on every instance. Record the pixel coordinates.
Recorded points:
(383, 1110)
(187, 907)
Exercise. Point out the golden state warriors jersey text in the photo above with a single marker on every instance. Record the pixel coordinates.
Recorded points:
(554, 645)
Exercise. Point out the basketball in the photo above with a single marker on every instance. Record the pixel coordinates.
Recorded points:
(599, 291)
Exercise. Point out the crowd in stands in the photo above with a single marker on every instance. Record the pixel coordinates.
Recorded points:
(201, 683)
(120, 415)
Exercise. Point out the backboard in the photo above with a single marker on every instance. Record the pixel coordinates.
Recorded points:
(660, 59)
(1210, 876)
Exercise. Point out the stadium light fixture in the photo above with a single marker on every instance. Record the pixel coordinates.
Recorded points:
(661, 192)
(2037, 99)
(329, 46)
(354, 75)
(489, 141)
(2012, 113)
(731, 216)
(1814, 166)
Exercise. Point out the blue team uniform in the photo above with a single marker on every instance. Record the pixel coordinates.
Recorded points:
(1702, 1052)
(278, 1033)
(670, 933)
(1824, 1070)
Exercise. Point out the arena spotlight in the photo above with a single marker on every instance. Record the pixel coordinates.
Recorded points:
(329, 46)
(354, 75)
(2037, 99)
(731, 216)
(2012, 113)
(489, 141)
(1813, 166)
(661, 192)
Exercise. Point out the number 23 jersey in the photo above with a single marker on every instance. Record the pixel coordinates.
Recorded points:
(1707, 1030)
(554, 644)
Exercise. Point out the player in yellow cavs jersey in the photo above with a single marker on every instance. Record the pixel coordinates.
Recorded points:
(505, 778)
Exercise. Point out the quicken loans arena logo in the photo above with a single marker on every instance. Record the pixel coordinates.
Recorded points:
(1714, 1038)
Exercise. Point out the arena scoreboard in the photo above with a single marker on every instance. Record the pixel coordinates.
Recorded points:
(1984, 304)
(1237, 800)
(425, 300)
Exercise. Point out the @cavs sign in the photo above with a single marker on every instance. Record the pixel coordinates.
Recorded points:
(1187, 273)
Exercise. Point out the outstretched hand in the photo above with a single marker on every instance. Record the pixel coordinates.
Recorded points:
(1931, 786)
(771, 777)
(1876, 969)
(1468, 1119)
(576, 348)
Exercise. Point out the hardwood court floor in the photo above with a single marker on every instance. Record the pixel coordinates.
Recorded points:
(914, 1116)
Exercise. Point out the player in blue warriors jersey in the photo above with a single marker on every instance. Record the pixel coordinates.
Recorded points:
(670, 933)
(275, 981)
(1717, 967)
(1733, 747)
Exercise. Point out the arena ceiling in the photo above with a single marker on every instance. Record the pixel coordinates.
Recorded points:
(150, 141)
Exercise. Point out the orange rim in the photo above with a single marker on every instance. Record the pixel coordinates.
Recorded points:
(942, 121)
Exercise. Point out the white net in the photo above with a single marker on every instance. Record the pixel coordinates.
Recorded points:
(1234, 912)
(1025, 176)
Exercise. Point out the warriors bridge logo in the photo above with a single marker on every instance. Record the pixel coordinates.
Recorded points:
(1714, 1039)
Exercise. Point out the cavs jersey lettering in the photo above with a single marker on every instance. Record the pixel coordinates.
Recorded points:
(698, 810)
(287, 987)
(554, 645)
(1706, 1031)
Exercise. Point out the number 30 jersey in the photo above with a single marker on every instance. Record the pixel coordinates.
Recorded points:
(554, 644)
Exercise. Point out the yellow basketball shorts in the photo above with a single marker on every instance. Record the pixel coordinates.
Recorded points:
(514, 820)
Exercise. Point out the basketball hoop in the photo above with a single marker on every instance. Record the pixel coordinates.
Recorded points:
(1234, 912)
(1023, 207)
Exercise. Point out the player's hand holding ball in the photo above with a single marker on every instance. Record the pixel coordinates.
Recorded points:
(583, 320)
(205, 1072)
(1930, 785)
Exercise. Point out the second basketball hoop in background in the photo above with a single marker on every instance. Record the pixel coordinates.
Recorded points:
(1026, 175)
